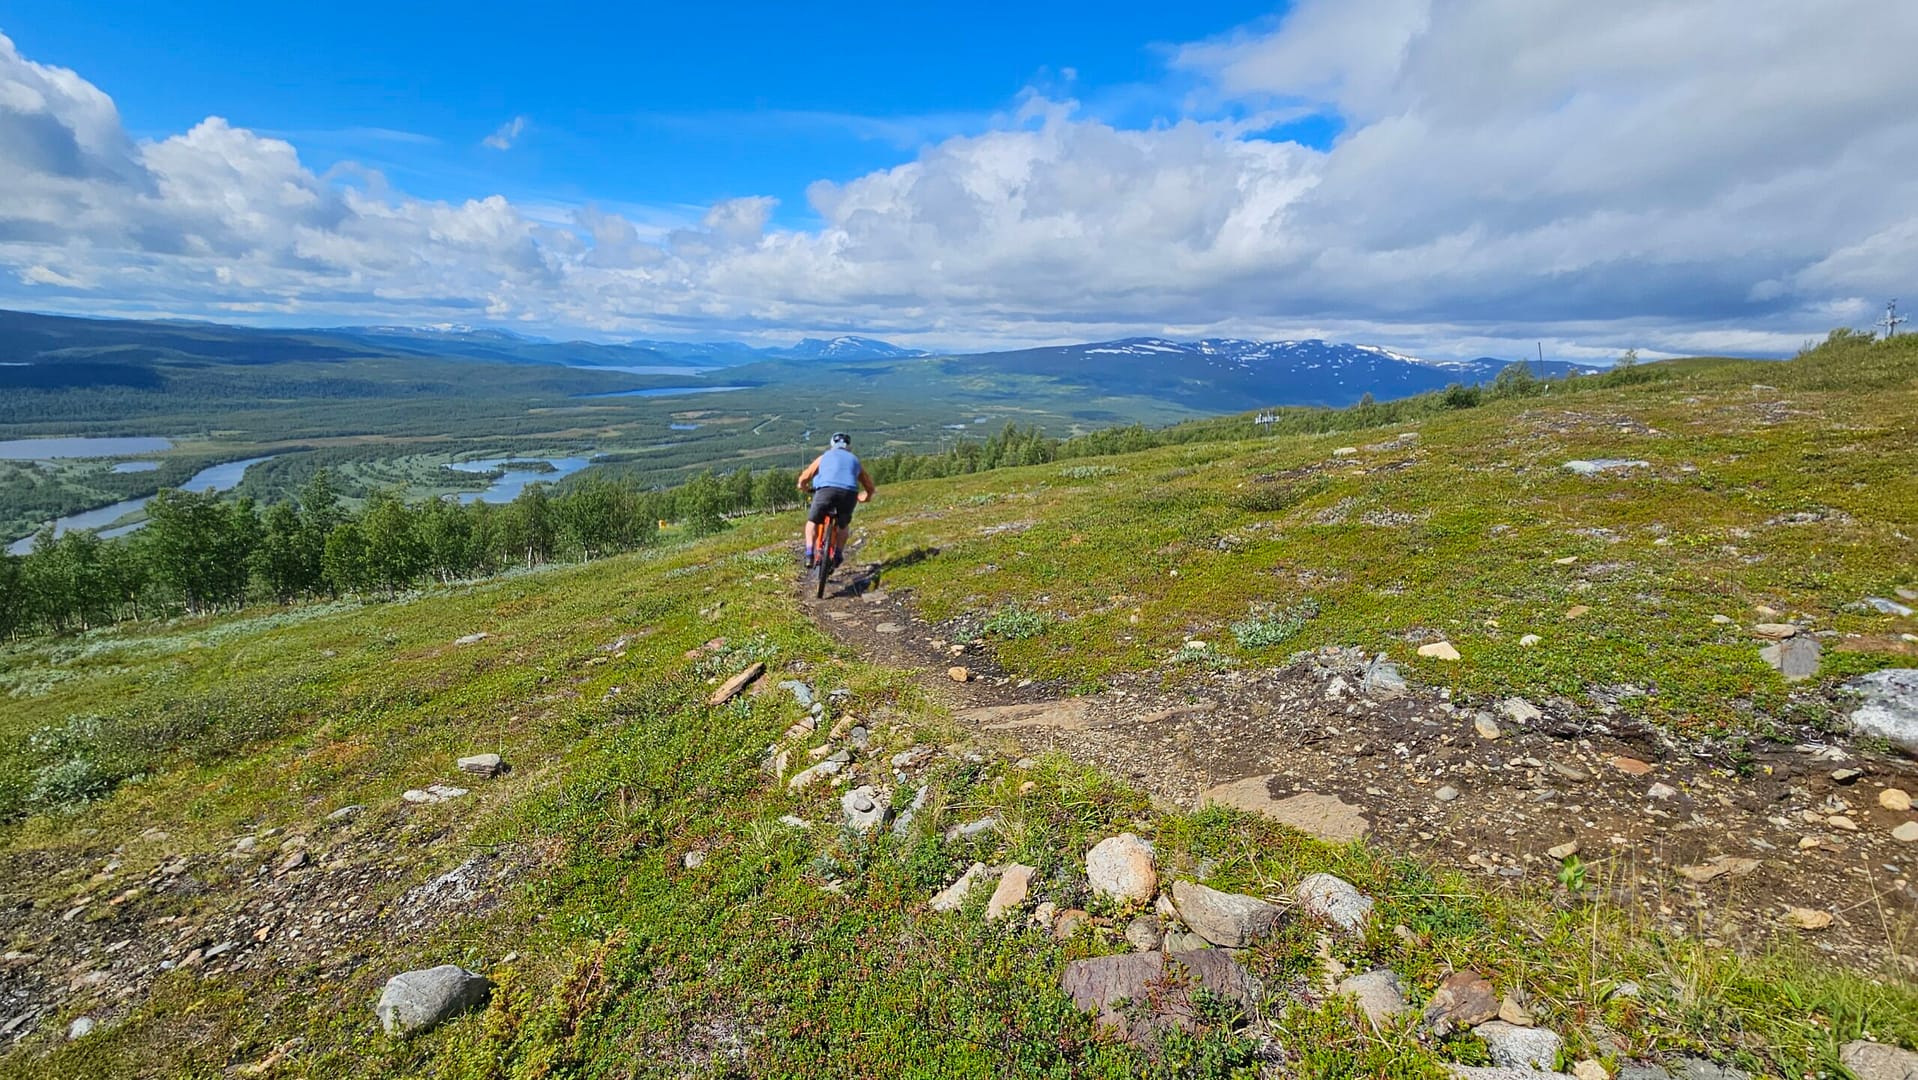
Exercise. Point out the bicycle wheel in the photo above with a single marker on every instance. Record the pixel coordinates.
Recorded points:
(824, 569)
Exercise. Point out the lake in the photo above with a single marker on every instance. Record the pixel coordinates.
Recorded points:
(508, 487)
(668, 391)
(43, 449)
(136, 466)
(222, 477)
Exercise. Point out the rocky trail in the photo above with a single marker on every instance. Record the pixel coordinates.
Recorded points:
(1811, 838)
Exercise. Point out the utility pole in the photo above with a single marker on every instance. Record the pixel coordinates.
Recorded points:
(1892, 319)
(1541, 357)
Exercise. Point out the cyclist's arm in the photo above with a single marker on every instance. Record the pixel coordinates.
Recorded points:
(865, 481)
(806, 474)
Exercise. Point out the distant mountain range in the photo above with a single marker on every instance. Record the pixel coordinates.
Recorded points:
(1230, 374)
(1211, 374)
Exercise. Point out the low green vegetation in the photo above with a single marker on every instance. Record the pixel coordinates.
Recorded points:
(1783, 486)
(784, 950)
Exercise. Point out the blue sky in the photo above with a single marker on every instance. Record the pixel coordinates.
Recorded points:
(1446, 177)
(653, 105)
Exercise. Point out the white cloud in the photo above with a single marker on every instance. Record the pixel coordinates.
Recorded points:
(1669, 175)
(507, 134)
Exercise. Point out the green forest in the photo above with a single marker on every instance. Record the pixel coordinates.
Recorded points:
(200, 552)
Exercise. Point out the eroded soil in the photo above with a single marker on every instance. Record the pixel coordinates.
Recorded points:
(1698, 839)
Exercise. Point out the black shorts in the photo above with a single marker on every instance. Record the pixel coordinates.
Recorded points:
(837, 502)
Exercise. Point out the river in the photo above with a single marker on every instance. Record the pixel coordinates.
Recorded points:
(507, 487)
(222, 477)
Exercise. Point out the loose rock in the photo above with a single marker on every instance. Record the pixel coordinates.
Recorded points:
(1335, 900)
(1520, 711)
(865, 808)
(81, 1027)
(417, 1001)
(1485, 726)
(1232, 920)
(1906, 833)
(1439, 650)
(1144, 933)
(1379, 994)
(1463, 999)
(958, 673)
(1157, 987)
(1121, 867)
(1877, 1061)
(1795, 658)
(1446, 793)
(486, 765)
(1014, 883)
(807, 777)
(1516, 1047)
(1894, 799)
(1890, 706)
(953, 896)
(1068, 922)
(1716, 867)
(1383, 681)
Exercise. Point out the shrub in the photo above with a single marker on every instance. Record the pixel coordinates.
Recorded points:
(1015, 623)
(1268, 626)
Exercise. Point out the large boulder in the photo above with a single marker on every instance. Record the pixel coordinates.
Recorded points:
(1144, 993)
(1121, 867)
(1890, 707)
(416, 1001)
(1231, 920)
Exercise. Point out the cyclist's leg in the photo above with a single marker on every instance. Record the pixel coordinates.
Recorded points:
(842, 524)
(816, 515)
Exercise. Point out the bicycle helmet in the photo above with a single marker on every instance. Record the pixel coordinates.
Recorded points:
(841, 441)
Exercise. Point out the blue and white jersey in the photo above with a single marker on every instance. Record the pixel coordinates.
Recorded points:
(837, 469)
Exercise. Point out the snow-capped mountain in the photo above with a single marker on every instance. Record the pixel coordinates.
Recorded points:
(1230, 373)
(848, 347)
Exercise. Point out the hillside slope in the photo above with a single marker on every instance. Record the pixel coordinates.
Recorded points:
(651, 900)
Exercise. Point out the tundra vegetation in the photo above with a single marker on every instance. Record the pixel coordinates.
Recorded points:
(178, 871)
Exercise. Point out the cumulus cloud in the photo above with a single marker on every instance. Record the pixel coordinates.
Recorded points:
(1676, 175)
(506, 135)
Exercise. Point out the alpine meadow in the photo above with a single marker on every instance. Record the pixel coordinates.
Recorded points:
(1380, 541)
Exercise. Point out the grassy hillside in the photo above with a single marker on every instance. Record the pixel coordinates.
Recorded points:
(1792, 486)
(214, 918)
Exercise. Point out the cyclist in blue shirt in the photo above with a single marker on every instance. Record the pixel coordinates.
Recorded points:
(839, 482)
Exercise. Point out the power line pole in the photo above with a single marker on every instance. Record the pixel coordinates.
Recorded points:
(1892, 319)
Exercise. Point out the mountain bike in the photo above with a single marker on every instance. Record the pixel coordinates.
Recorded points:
(829, 554)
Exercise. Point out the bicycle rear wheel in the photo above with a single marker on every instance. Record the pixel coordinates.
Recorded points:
(828, 530)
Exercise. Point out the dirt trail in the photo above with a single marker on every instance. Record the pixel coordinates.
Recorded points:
(1691, 839)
